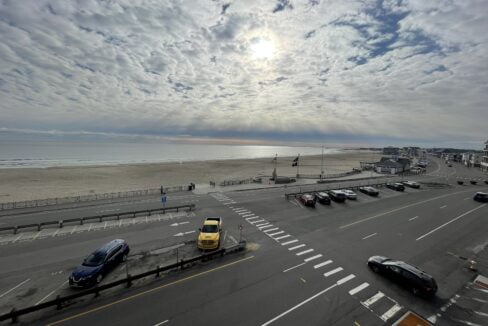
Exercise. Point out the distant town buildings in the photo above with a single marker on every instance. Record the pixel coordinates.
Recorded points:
(484, 158)
(391, 151)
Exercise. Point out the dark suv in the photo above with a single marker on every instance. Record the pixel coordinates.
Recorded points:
(481, 197)
(396, 186)
(99, 263)
(322, 198)
(416, 280)
(337, 196)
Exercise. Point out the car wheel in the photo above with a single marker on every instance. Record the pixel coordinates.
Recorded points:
(124, 257)
(415, 291)
(375, 268)
(99, 278)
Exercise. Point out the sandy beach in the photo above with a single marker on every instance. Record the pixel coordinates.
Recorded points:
(36, 183)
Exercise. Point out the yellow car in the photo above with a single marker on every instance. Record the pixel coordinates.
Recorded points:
(209, 237)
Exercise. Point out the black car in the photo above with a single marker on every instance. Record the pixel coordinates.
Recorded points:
(396, 186)
(307, 200)
(411, 277)
(99, 263)
(481, 197)
(337, 196)
(369, 191)
(322, 198)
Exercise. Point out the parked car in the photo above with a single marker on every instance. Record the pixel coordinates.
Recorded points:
(411, 184)
(411, 277)
(322, 198)
(396, 186)
(337, 196)
(481, 197)
(209, 236)
(349, 194)
(369, 191)
(307, 200)
(473, 182)
(99, 263)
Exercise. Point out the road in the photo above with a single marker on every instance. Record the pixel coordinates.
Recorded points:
(303, 265)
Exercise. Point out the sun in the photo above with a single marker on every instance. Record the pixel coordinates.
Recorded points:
(262, 49)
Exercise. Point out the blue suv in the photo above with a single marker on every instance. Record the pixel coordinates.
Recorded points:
(99, 263)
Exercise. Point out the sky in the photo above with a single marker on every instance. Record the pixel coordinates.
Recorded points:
(333, 72)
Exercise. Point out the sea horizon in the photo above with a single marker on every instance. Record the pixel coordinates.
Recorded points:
(46, 154)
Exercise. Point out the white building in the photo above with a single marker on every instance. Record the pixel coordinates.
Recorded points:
(484, 158)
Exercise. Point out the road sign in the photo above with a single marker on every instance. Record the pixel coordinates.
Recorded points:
(163, 199)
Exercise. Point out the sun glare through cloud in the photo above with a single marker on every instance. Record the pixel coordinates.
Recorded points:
(262, 49)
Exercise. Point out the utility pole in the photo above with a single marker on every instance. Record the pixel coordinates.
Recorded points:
(322, 166)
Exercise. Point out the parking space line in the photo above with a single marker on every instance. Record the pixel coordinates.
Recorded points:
(161, 323)
(276, 233)
(345, 279)
(244, 212)
(289, 242)
(296, 247)
(248, 215)
(266, 226)
(252, 218)
(312, 258)
(269, 230)
(413, 218)
(369, 236)
(50, 293)
(323, 264)
(373, 299)
(262, 224)
(359, 288)
(336, 270)
(304, 252)
(289, 269)
(444, 206)
(392, 311)
(283, 237)
(18, 285)
(258, 221)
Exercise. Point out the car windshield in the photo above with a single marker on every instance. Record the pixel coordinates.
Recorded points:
(210, 228)
(95, 259)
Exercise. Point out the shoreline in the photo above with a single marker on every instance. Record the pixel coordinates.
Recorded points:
(20, 184)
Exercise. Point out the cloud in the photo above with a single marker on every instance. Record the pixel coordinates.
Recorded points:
(367, 70)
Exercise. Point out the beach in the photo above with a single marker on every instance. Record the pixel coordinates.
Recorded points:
(20, 184)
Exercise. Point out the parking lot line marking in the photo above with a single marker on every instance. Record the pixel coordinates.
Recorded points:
(312, 258)
(369, 236)
(252, 218)
(484, 314)
(105, 225)
(84, 313)
(444, 206)
(254, 222)
(413, 218)
(266, 226)
(20, 236)
(323, 264)
(304, 252)
(392, 311)
(454, 219)
(400, 208)
(345, 279)
(262, 224)
(276, 233)
(336, 270)
(283, 237)
(299, 305)
(296, 247)
(74, 229)
(289, 242)
(50, 293)
(373, 299)
(37, 235)
(289, 269)
(359, 288)
(466, 198)
(18, 285)
(269, 230)
(161, 323)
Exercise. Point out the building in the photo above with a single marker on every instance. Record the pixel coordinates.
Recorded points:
(484, 158)
(391, 151)
(474, 160)
(389, 166)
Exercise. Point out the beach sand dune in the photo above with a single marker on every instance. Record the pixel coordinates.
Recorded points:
(41, 183)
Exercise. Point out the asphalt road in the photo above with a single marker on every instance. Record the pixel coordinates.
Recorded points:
(304, 266)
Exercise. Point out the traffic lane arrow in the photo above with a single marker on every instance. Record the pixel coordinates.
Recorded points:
(183, 233)
(181, 223)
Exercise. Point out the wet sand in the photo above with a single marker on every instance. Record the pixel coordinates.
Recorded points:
(37, 183)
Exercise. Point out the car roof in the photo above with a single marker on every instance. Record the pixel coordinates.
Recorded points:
(323, 194)
(409, 268)
(482, 193)
(211, 222)
(110, 245)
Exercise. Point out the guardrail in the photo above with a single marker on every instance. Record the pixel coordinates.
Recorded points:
(87, 198)
(58, 302)
(100, 218)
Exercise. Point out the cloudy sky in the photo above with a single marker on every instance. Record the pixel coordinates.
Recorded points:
(283, 70)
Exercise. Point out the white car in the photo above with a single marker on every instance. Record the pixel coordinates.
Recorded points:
(349, 194)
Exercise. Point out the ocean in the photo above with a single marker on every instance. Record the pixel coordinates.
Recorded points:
(44, 154)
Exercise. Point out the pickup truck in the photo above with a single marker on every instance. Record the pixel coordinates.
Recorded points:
(209, 237)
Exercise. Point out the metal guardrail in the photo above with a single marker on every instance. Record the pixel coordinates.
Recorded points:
(58, 302)
(88, 198)
(100, 218)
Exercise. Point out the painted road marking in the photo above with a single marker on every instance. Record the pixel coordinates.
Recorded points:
(359, 288)
(454, 219)
(283, 237)
(248, 215)
(443, 207)
(296, 247)
(312, 258)
(304, 252)
(262, 224)
(323, 264)
(413, 218)
(265, 227)
(251, 218)
(373, 299)
(244, 212)
(289, 269)
(289, 242)
(161, 323)
(369, 236)
(258, 221)
(337, 270)
(147, 291)
(299, 305)
(269, 230)
(345, 279)
(276, 233)
(50, 293)
(20, 284)
(393, 310)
